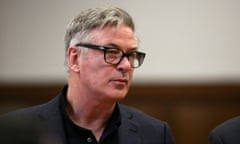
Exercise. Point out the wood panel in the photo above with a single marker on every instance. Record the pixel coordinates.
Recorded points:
(191, 110)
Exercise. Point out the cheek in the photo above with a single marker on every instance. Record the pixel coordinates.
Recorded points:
(93, 62)
(95, 71)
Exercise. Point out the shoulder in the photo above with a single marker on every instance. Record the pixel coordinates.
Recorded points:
(137, 114)
(36, 122)
(228, 131)
(151, 129)
(31, 112)
(231, 125)
(142, 119)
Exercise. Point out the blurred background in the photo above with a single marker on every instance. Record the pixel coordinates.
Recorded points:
(190, 78)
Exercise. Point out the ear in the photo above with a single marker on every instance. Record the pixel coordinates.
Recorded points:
(73, 59)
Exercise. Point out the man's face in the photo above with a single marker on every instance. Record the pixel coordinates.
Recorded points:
(102, 80)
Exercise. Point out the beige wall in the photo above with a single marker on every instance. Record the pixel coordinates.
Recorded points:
(185, 40)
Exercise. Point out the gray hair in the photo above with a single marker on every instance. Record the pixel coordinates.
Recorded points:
(81, 26)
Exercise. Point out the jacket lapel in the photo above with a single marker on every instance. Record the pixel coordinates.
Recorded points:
(53, 120)
(129, 130)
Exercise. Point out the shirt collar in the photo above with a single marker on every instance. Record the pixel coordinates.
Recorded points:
(114, 121)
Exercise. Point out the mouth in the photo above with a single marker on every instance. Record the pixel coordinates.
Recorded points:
(120, 81)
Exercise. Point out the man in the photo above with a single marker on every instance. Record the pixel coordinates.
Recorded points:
(101, 54)
(226, 133)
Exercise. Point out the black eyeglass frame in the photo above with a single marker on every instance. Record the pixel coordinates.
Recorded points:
(140, 55)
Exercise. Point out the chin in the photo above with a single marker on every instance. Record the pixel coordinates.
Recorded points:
(120, 96)
(117, 95)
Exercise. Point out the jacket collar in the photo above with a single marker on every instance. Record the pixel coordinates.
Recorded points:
(51, 116)
(129, 130)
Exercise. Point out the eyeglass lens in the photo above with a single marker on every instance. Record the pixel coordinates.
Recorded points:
(114, 56)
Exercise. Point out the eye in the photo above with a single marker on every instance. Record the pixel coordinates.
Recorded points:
(113, 55)
(114, 51)
(133, 54)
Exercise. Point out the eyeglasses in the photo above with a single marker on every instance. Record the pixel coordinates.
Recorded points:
(115, 55)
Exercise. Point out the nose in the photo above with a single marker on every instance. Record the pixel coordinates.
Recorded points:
(124, 65)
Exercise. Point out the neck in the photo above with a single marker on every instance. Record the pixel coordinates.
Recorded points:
(89, 114)
(94, 119)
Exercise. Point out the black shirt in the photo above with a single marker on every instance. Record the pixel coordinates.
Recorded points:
(79, 135)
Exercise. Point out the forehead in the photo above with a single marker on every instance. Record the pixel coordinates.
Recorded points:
(122, 36)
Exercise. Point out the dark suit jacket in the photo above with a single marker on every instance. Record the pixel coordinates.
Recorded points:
(226, 133)
(136, 127)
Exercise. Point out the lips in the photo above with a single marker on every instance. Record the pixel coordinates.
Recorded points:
(120, 81)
